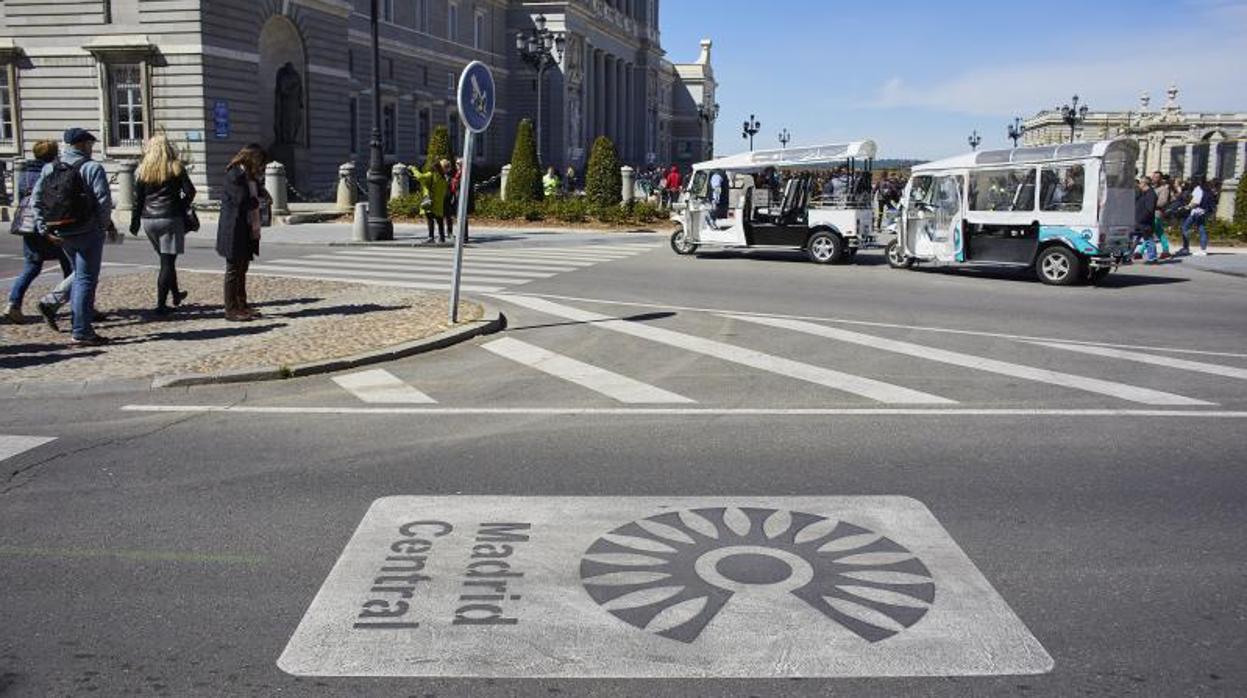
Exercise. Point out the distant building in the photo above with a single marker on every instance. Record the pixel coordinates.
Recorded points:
(296, 77)
(1181, 144)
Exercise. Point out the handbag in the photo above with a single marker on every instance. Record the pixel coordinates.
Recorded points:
(23, 218)
(190, 219)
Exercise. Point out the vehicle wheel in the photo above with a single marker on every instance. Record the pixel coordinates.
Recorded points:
(681, 244)
(1098, 275)
(824, 248)
(897, 258)
(1058, 266)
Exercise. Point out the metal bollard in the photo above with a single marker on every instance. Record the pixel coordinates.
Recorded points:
(346, 187)
(628, 177)
(399, 184)
(359, 227)
(275, 183)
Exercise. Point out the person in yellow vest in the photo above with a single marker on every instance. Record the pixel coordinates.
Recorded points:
(550, 184)
(435, 189)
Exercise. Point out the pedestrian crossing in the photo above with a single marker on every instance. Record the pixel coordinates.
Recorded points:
(485, 270)
(509, 369)
(11, 446)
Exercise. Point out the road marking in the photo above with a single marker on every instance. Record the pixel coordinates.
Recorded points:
(420, 285)
(413, 267)
(657, 587)
(442, 264)
(1122, 391)
(16, 445)
(559, 265)
(1166, 361)
(950, 412)
(144, 555)
(381, 386)
(612, 385)
(866, 323)
(865, 387)
(313, 269)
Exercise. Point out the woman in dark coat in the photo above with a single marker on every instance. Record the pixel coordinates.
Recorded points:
(238, 231)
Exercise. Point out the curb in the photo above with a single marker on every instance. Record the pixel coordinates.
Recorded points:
(492, 320)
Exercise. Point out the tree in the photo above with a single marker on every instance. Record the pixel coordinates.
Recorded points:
(524, 181)
(439, 148)
(1240, 206)
(603, 182)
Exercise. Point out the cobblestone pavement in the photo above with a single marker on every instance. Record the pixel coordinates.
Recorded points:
(304, 320)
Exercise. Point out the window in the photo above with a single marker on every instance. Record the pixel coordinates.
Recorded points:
(424, 122)
(453, 127)
(452, 22)
(1003, 190)
(422, 15)
(354, 137)
(389, 128)
(1063, 188)
(127, 124)
(479, 31)
(8, 113)
(387, 10)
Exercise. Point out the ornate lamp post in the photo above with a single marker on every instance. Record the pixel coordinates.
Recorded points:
(750, 129)
(1072, 115)
(975, 139)
(1016, 130)
(379, 225)
(709, 114)
(784, 138)
(540, 48)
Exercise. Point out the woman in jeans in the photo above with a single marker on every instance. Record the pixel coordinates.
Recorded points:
(36, 249)
(162, 196)
(238, 231)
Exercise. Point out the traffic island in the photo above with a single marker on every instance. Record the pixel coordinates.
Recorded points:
(307, 326)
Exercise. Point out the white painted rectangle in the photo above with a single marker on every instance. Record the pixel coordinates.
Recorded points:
(746, 587)
(378, 386)
(608, 383)
(16, 445)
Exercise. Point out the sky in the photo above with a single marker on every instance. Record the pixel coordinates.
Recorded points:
(919, 76)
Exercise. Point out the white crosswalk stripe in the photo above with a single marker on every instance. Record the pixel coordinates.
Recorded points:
(484, 270)
(865, 387)
(16, 445)
(608, 383)
(1130, 393)
(379, 386)
(1152, 359)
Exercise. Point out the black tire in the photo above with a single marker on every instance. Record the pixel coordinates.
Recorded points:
(680, 243)
(1059, 266)
(897, 259)
(825, 247)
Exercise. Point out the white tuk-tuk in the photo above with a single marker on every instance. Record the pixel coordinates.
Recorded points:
(739, 202)
(1065, 210)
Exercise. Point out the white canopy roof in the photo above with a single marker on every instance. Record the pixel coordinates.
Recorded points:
(1027, 155)
(810, 156)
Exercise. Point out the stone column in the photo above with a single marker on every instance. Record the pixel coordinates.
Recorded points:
(599, 112)
(124, 203)
(1188, 161)
(1240, 159)
(502, 179)
(399, 185)
(619, 104)
(4, 190)
(628, 176)
(609, 102)
(346, 187)
(275, 183)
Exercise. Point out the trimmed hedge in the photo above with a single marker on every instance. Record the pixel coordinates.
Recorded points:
(524, 181)
(439, 148)
(603, 181)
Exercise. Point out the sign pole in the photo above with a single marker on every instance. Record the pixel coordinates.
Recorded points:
(461, 223)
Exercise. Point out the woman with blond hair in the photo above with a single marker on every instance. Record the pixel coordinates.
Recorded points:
(238, 230)
(162, 204)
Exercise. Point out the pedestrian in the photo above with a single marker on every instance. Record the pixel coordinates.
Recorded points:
(36, 248)
(1195, 218)
(162, 205)
(673, 185)
(569, 180)
(433, 206)
(1144, 221)
(238, 230)
(73, 208)
(1164, 196)
(550, 183)
(456, 187)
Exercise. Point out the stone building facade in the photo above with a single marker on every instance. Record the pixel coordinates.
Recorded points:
(296, 77)
(1182, 144)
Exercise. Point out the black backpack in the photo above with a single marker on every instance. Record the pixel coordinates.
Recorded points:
(1209, 202)
(66, 199)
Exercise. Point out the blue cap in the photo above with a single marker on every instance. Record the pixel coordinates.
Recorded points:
(78, 135)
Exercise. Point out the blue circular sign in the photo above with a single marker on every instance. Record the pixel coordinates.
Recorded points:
(477, 96)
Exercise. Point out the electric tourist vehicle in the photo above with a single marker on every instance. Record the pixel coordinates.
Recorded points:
(1065, 210)
(754, 207)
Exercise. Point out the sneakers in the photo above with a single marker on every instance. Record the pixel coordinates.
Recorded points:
(1200, 253)
(94, 340)
(1166, 255)
(179, 298)
(48, 311)
(13, 313)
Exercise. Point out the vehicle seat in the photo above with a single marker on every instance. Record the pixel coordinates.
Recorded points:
(795, 199)
(788, 201)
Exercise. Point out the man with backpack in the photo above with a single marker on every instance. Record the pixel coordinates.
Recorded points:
(73, 209)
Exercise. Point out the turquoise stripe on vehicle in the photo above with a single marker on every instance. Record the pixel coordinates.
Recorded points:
(1078, 239)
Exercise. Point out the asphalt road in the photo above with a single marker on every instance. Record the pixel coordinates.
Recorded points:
(171, 542)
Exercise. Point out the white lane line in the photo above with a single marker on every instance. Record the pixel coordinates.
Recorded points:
(693, 411)
(428, 277)
(402, 266)
(608, 383)
(865, 387)
(561, 265)
(381, 386)
(1093, 385)
(891, 325)
(444, 263)
(419, 285)
(1154, 360)
(15, 445)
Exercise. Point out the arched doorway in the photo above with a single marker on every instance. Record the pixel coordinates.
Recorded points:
(282, 99)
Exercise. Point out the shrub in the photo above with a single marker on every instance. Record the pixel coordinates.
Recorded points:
(406, 206)
(1225, 230)
(1240, 205)
(603, 182)
(439, 148)
(568, 209)
(524, 182)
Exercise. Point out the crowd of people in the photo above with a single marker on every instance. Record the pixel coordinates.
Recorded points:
(440, 189)
(65, 216)
(1163, 203)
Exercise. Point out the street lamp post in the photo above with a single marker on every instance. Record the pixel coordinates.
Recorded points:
(1016, 130)
(379, 225)
(784, 138)
(540, 48)
(750, 129)
(1072, 115)
(975, 139)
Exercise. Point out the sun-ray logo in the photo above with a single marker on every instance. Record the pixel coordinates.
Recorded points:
(672, 573)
